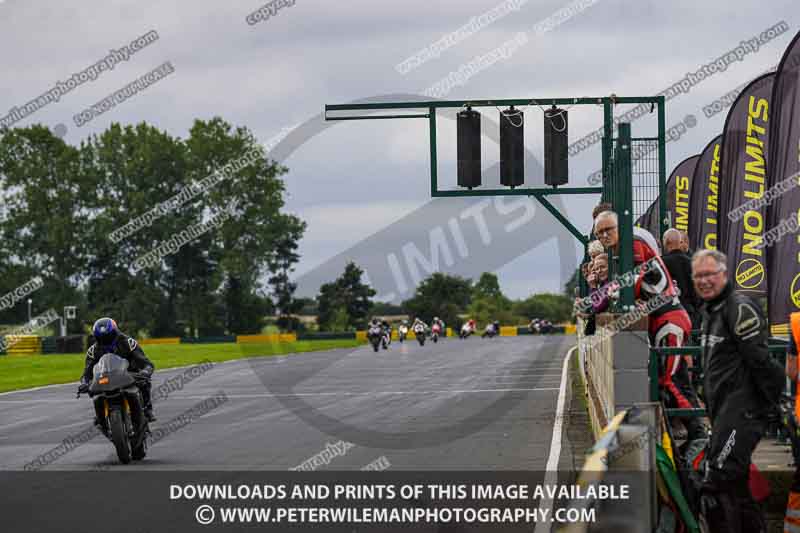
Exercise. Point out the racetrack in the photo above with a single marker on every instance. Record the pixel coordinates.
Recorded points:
(476, 404)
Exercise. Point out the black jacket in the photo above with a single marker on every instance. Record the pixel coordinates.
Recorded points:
(738, 371)
(679, 266)
(125, 347)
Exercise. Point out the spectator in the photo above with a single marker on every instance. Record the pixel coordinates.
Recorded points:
(685, 243)
(601, 207)
(791, 521)
(742, 385)
(668, 324)
(679, 265)
(600, 295)
(594, 249)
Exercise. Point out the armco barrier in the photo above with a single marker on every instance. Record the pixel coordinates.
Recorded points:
(625, 453)
(324, 336)
(508, 331)
(261, 339)
(166, 340)
(23, 344)
(215, 339)
(49, 345)
(71, 344)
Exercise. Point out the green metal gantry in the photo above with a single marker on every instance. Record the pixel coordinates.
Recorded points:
(617, 162)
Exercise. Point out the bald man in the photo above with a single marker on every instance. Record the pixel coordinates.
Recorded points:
(679, 265)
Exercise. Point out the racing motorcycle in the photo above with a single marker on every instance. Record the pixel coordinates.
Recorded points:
(435, 330)
(402, 332)
(123, 421)
(466, 331)
(376, 336)
(490, 331)
(419, 331)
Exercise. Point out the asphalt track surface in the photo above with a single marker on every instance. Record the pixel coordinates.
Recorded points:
(474, 404)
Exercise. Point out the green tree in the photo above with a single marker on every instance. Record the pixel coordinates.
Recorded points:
(131, 169)
(488, 286)
(347, 292)
(339, 322)
(62, 203)
(44, 219)
(254, 241)
(441, 295)
(282, 287)
(553, 307)
(487, 309)
(384, 308)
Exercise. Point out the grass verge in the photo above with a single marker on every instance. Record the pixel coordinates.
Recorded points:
(23, 372)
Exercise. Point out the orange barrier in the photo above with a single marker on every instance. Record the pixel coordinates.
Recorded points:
(165, 340)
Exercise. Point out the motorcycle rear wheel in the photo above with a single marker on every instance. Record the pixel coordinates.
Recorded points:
(119, 436)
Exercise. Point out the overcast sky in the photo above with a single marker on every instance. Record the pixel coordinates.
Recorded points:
(353, 181)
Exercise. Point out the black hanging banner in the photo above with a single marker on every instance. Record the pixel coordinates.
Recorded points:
(742, 179)
(679, 193)
(783, 254)
(704, 198)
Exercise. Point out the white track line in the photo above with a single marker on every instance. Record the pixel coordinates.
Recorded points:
(551, 470)
(332, 393)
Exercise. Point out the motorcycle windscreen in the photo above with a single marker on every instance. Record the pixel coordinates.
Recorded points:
(110, 373)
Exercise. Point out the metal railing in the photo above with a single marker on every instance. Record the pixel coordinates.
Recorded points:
(777, 349)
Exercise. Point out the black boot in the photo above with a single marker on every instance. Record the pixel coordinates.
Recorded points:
(148, 414)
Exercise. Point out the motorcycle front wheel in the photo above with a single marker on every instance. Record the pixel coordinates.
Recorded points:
(119, 436)
(140, 451)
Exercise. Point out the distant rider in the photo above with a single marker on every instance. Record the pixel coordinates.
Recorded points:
(109, 339)
(418, 321)
(387, 330)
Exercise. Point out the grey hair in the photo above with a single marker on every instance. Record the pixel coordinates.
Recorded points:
(595, 248)
(604, 214)
(720, 258)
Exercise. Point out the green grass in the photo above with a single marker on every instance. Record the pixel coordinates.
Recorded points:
(22, 372)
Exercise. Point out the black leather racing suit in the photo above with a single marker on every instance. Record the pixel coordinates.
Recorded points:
(127, 348)
(737, 376)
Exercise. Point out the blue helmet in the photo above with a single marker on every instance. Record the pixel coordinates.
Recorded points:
(105, 331)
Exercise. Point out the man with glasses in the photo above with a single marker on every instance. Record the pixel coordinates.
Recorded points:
(668, 325)
(742, 385)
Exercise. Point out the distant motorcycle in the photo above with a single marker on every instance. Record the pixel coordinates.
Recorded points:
(123, 422)
(402, 332)
(387, 338)
(465, 331)
(375, 336)
(490, 331)
(419, 331)
(435, 330)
